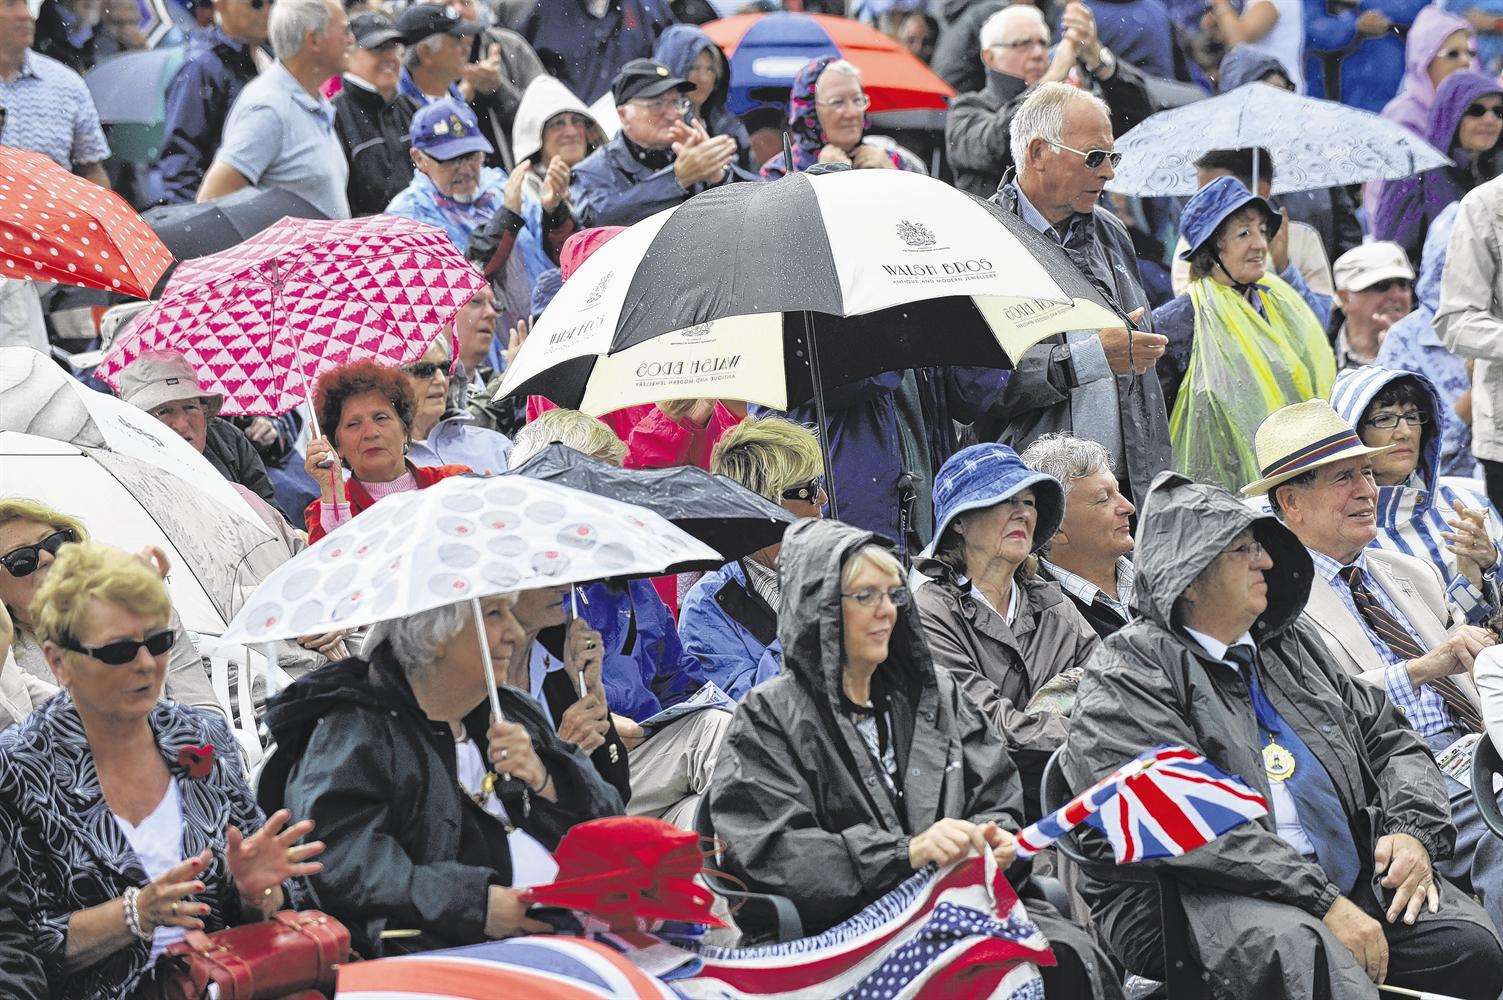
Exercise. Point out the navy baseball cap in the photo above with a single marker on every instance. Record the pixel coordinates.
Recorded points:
(446, 129)
(373, 29)
(424, 20)
(646, 78)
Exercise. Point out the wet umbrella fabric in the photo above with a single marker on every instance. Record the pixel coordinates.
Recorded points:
(458, 540)
(208, 227)
(1313, 143)
(719, 296)
(720, 512)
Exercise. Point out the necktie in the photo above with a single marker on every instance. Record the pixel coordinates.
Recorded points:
(1406, 647)
(1318, 807)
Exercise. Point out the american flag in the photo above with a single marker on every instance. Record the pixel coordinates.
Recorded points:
(959, 932)
(1179, 802)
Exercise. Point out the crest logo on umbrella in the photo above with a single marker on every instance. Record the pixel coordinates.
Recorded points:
(598, 292)
(696, 331)
(916, 234)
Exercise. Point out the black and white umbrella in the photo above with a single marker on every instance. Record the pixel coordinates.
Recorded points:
(767, 292)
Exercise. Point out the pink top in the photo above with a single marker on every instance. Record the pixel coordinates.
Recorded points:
(332, 515)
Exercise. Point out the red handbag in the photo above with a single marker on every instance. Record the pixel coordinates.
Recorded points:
(289, 956)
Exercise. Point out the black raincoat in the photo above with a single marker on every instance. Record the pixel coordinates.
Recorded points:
(1151, 683)
(796, 797)
(407, 848)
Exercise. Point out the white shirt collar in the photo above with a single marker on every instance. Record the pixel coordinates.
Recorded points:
(1215, 646)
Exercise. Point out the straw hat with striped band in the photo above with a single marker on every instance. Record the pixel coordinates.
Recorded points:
(1301, 437)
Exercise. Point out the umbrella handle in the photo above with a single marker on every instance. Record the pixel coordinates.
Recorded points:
(313, 418)
(485, 658)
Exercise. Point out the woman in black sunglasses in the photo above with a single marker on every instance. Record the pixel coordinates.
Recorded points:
(1466, 122)
(31, 535)
(130, 816)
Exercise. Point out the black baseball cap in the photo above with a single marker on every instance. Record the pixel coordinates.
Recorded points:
(424, 20)
(646, 78)
(372, 29)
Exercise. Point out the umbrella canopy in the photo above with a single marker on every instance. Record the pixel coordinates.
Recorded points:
(263, 320)
(37, 397)
(1313, 143)
(56, 226)
(459, 539)
(539, 965)
(131, 88)
(198, 230)
(718, 297)
(130, 503)
(764, 52)
(720, 512)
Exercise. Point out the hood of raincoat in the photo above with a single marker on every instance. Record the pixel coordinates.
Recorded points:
(677, 49)
(1184, 525)
(1354, 392)
(1245, 64)
(1411, 106)
(1456, 92)
(545, 97)
(810, 623)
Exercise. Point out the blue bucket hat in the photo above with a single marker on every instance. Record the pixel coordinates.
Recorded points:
(1212, 205)
(984, 475)
(446, 129)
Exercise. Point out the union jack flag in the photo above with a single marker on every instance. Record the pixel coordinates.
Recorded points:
(1172, 800)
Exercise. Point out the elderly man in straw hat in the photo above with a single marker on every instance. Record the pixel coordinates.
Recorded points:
(165, 385)
(1383, 615)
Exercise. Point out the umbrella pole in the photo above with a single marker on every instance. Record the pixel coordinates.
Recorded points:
(819, 411)
(574, 604)
(485, 658)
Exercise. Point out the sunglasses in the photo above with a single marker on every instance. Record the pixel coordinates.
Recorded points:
(24, 561)
(1389, 284)
(121, 652)
(1093, 159)
(258, 4)
(805, 492)
(1478, 110)
(423, 369)
(568, 120)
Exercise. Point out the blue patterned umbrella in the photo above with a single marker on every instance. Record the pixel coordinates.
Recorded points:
(1313, 143)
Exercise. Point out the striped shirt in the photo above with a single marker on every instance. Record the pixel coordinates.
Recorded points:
(1086, 592)
(1425, 710)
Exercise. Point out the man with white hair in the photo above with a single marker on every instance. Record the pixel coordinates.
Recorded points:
(280, 132)
(1094, 384)
(1015, 53)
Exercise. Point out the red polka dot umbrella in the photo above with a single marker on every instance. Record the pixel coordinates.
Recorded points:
(56, 226)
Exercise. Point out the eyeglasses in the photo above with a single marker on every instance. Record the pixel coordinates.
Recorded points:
(121, 652)
(423, 369)
(1478, 110)
(568, 120)
(871, 597)
(24, 561)
(1249, 550)
(1456, 54)
(455, 162)
(1388, 421)
(1093, 159)
(258, 4)
(1022, 43)
(1389, 284)
(858, 103)
(664, 104)
(805, 492)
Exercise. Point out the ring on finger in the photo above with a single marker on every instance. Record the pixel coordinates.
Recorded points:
(174, 908)
(503, 753)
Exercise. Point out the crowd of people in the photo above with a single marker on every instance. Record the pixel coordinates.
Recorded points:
(1258, 518)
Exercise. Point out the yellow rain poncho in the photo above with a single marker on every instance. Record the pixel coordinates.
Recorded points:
(1242, 368)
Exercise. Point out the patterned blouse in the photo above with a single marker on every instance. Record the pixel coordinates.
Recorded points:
(71, 854)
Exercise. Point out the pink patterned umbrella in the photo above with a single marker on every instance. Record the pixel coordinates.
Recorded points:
(262, 320)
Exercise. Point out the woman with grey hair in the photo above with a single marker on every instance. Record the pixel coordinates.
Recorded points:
(436, 813)
(1090, 555)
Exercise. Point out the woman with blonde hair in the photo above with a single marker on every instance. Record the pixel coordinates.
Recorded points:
(129, 815)
(31, 536)
(729, 619)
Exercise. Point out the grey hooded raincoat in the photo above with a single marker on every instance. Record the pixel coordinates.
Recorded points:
(1151, 683)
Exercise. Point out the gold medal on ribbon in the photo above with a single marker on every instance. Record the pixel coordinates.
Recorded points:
(1278, 762)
